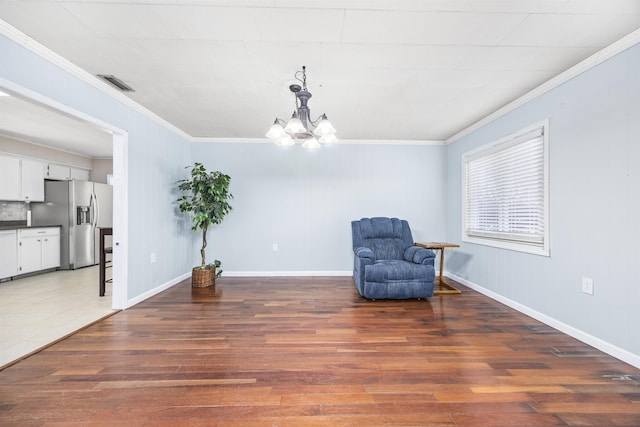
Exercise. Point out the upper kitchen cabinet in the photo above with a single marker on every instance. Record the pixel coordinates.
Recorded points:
(80, 174)
(10, 178)
(65, 173)
(21, 179)
(32, 181)
(58, 172)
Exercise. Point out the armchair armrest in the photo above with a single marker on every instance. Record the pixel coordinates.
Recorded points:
(419, 255)
(363, 252)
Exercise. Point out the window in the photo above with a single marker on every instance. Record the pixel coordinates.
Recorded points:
(505, 192)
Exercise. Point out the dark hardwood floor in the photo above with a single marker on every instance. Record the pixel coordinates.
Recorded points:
(311, 352)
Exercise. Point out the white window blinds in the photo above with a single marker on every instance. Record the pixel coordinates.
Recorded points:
(505, 196)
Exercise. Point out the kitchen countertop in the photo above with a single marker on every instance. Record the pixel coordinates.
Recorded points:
(4, 226)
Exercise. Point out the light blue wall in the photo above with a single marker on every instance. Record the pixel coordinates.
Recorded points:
(594, 206)
(155, 160)
(305, 201)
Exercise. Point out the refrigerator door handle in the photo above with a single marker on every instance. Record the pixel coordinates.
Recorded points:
(97, 208)
(93, 205)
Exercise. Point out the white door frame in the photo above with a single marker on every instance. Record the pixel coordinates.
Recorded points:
(120, 187)
(120, 220)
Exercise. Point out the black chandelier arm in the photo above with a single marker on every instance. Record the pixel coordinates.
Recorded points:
(279, 121)
(316, 121)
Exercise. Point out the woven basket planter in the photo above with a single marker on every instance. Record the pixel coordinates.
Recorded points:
(203, 278)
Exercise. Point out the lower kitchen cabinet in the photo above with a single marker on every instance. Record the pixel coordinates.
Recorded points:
(30, 253)
(9, 251)
(38, 249)
(51, 251)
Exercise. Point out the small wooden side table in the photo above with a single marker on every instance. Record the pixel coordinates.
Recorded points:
(444, 288)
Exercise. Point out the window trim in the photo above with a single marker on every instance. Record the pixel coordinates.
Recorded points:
(492, 147)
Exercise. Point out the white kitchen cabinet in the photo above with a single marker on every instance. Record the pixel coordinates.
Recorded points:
(9, 251)
(51, 251)
(38, 249)
(9, 178)
(30, 254)
(32, 181)
(58, 172)
(21, 179)
(79, 174)
(65, 173)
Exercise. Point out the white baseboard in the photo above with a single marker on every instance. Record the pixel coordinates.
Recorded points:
(604, 346)
(157, 290)
(285, 273)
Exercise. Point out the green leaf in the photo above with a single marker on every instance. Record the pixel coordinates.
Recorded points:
(205, 195)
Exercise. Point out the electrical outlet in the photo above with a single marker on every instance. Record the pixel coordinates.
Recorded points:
(152, 258)
(275, 247)
(587, 285)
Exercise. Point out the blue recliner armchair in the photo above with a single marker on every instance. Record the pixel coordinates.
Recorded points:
(386, 264)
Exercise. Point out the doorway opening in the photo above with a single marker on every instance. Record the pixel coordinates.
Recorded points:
(118, 143)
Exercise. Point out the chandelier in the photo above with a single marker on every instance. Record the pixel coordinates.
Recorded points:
(300, 127)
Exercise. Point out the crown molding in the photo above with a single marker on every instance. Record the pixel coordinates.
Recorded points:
(6, 135)
(206, 139)
(390, 142)
(39, 49)
(599, 57)
(608, 52)
(340, 142)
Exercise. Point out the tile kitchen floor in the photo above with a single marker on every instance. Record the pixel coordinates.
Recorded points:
(37, 310)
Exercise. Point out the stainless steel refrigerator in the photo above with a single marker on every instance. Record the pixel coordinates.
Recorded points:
(82, 208)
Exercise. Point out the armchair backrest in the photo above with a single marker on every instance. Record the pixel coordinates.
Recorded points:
(388, 238)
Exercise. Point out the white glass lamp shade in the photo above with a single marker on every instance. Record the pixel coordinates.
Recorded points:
(311, 143)
(324, 127)
(285, 141)
(328, 139)
(275, 131)
(294, 125)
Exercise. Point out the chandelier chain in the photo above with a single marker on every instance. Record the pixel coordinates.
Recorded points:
(302, 80)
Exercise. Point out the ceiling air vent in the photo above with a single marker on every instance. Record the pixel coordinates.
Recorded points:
(116, 82)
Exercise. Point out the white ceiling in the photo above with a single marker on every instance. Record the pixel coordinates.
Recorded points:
(27, 121)
(380, 69)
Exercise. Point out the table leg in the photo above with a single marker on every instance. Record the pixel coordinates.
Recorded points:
(443, 287)
(441, 265)
(102, 285)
